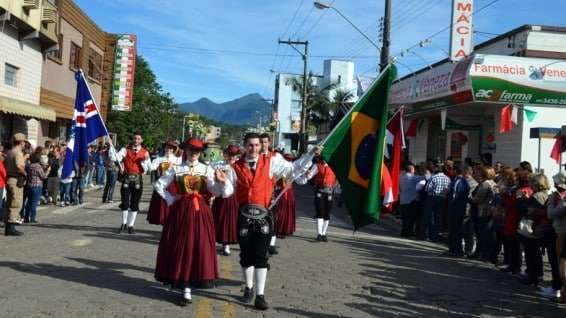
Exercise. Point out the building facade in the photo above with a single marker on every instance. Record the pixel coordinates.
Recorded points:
(457, 107)
(28, 31)
(288, 102)
(82, 45)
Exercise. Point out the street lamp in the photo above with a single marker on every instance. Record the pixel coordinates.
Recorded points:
(323, 6)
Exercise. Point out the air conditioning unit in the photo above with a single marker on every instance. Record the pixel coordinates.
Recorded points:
(31, 4)
(49, 15)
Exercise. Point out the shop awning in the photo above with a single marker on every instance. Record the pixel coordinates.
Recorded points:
(18, 107)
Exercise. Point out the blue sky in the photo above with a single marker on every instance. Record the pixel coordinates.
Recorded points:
(223, 49)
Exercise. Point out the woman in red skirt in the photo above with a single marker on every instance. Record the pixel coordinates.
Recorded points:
(187, 253)
(158, 209)
(225, 210)
(286, 213)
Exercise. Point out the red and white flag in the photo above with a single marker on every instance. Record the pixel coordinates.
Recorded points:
(386, 188)
(396, 141)
(556, 152)
(506, 122)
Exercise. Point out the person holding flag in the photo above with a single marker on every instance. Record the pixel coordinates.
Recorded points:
(354, 150)
(266, 150)
(86, 127)
(134, 163)
(253, 176)
(324, 182)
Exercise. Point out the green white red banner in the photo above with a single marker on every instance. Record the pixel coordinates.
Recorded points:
(124, 72)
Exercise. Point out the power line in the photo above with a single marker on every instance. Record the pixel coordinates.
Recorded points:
(447, 28)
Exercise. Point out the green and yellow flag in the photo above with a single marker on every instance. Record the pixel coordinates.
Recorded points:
(353, 145)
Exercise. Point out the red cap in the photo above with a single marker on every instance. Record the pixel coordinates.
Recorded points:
(194, 144)
(232, 150)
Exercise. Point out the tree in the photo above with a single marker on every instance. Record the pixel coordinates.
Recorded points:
(154, 112)
(319, 107)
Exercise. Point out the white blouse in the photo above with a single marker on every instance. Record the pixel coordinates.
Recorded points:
(120, 155)
(194, 169)
(281, 168)
(159, 160)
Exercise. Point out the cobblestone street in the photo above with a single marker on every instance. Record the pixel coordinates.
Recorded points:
(74, 264)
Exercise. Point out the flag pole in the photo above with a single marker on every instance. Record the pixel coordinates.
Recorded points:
(351, 109)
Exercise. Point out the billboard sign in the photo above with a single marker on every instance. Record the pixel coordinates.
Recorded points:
(124, 71)
(511, 79)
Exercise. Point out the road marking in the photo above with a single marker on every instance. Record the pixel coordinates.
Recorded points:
(226, 267)
(81, 242)
(204, 308)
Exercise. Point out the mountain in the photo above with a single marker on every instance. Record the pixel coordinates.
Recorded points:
(239, 111)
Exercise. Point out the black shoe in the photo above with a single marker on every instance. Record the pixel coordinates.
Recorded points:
(324, 238)
(185, 302)
(260, 303)
(10, 230)
(319, 238)
(123, 228)
(272, 250)
(131, 230)
(248, 295)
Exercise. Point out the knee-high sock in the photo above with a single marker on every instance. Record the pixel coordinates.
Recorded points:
(325, 226)
(260, 278)
(248, 276)
(187, 293)
(124, 217)
(272, 243)
(227, 248)
(319, 225)
(132, 218)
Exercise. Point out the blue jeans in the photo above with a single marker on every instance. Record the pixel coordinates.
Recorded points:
(65, 192)
(111, 177)
(88, 176)
(77, 191)
(100, 175)
(34, 195)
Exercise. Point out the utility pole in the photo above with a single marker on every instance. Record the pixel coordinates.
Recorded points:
(305, 55)
(384, 56)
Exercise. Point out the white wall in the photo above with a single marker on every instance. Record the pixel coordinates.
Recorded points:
(26, 56)
(551, 117)
(418, 144)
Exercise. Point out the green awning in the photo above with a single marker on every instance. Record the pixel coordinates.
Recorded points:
(18, 107)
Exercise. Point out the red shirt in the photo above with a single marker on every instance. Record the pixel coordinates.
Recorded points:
(3, 175)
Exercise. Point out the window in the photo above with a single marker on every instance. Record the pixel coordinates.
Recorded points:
(57, 55)
(75, 59)
(10, 75)
(339, 79)
(95, 65)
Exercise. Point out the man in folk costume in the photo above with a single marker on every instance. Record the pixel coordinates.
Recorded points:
(158, 208)
(265, 141)
(254, 174)
(225, 210)
(325, 182)
(286, 207)
(135, 162)
(187, 251)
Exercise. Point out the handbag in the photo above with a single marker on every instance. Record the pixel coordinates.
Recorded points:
(526, 228)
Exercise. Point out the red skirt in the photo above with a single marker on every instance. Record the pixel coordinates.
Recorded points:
(187, 253)
(225, 211)
(158, 210)
(286, 214)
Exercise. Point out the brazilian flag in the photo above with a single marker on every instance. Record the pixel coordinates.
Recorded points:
(354, 144)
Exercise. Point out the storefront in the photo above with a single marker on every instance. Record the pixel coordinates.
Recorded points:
(20, 116)
(456, 108)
